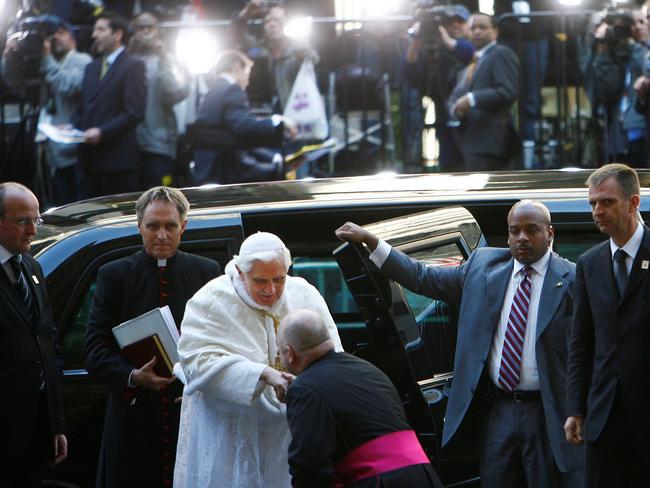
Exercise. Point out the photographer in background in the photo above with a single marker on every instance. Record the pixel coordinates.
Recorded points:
(62, 68)
(616, 62)
(157, 134)
(437, 52)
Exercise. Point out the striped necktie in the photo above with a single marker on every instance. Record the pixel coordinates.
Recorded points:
(21, 285)
(513, 343)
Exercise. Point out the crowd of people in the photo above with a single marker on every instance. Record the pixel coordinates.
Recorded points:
(548, 359)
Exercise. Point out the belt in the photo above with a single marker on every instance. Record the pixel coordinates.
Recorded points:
(518, 396)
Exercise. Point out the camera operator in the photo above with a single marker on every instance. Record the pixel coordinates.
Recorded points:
(437, 52)
(62, 68)
(284, 55)
(616, 62)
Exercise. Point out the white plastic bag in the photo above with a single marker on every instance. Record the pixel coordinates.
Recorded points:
(305, 105)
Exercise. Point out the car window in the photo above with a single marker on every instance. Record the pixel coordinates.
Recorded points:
(433, 352)
(570, 245)
(325, 275)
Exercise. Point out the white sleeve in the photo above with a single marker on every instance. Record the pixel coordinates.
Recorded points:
(380, 254)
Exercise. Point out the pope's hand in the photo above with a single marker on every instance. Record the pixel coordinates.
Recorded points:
(279, 381)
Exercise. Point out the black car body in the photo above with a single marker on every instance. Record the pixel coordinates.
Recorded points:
(411, 337)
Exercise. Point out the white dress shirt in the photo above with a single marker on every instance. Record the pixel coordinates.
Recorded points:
(528, 378)
(631, 247)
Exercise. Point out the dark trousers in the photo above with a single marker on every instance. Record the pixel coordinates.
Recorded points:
(64, 185)
(155, 170)
(515, 449)
(110, 183)
(618, 458)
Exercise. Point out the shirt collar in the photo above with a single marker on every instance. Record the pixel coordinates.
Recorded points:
(540, 266)
(228, 78)
(4, 255)
(110, 59)
(481, 52)
(633, 244)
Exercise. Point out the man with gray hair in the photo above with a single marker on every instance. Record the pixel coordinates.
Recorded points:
(233, 428)
(344, 412)
(141, 423)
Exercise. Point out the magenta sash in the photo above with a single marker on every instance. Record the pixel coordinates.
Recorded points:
(380, 455)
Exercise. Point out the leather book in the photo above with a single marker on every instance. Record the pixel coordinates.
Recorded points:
(141, 352)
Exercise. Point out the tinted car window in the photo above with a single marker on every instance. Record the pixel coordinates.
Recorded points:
(326, 276)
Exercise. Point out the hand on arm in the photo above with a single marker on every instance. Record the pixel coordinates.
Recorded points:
(573, 429)
(355, 233)
(146, 378)
(462, 106)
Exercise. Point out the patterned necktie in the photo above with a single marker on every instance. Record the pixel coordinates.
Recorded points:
(21, 286)
(513, 344)
(620, 270)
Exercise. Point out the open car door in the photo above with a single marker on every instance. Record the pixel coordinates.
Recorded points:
(413, 337)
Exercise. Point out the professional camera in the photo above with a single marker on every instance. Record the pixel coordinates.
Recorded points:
(29, 34)
(619, 32)
(429, 17)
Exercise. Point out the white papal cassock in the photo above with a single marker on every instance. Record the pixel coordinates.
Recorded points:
(233, 430)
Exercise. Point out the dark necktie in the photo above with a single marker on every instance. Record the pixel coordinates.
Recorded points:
(620, 270)
(513, 343)
(21, 286)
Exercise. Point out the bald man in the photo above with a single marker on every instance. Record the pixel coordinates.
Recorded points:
(515, 311)
(343, 411)
(31, 413)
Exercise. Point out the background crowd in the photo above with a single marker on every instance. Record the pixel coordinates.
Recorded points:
(439, 89)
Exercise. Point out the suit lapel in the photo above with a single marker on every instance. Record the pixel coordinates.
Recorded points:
(497, 278)
(554, 287)
(112, 69)
(638, 273)
(7, 288)
(479, 64)
(35, 289)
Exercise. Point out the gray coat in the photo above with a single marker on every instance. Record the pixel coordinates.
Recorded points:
(479, 287)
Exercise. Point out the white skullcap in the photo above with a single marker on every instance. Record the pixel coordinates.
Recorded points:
(261, 246)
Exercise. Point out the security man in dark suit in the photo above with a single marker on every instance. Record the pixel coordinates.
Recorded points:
(32, 426)
(141, 424)
(609, 384)
(482, 98)
(113, 101)
(347, 422)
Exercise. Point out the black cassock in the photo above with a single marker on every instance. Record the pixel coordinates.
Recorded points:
(337, 404)
(141, 426)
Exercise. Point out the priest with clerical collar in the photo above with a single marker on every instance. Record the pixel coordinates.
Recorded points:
(141, 423)
(233, 428)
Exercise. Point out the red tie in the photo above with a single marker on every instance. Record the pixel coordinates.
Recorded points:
(513, 344)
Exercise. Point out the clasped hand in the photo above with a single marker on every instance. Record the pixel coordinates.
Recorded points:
(280, 381)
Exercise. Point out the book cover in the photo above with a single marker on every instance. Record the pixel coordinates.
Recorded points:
(140, 352)
(158, 323)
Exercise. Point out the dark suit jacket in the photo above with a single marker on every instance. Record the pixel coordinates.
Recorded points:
(22, 346)
(116, 105)
(609, 341)
(479, 286)
(131, 454)
(226, 107)
(337, 404)
(487, 128)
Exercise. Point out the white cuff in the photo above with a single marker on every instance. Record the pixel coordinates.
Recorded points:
(472, 100)
(380, 254)
(129, 383)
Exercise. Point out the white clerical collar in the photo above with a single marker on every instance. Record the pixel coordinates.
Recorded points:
(228, 78)
(633, 244)
(540, 266)
(481, 52)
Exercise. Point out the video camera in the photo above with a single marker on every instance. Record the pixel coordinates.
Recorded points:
(619, 32)
(429, 16)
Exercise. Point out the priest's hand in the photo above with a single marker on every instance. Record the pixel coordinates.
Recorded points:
(355, 233)
(277, 380)
(146, 377)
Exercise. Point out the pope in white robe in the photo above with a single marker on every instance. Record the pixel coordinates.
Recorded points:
(233, 429)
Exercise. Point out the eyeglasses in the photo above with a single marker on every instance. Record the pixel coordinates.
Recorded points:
(36, 222)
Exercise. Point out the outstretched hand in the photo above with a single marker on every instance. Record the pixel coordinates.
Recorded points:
(278, 380)
(355, 233)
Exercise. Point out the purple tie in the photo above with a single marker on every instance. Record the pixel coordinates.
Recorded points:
(513, 344)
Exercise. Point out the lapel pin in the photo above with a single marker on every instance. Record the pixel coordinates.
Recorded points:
(645, 264)
(35, 279)
(558, 284)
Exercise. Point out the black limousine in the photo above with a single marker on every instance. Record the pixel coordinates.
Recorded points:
(439, 219)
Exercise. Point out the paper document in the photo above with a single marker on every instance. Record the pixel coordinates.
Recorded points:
(313, 150)
(62, 135)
